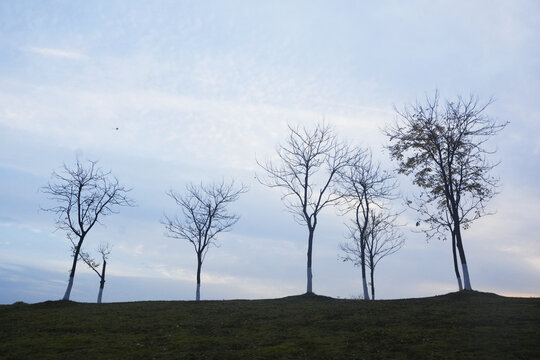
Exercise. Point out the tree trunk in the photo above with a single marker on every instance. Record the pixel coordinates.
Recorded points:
(73, 267)
(100, 294)
(365, 287)
(363, 266)
(102, 282)
(466, 279)
(372, 271)
(199, 266)
(70, 285)
(309, 253)
(454, 255)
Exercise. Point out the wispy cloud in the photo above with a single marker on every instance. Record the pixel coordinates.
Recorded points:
(59, 53)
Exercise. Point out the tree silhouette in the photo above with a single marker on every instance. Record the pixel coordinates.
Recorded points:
(203, 216)
(84, 194)
(384, 239)
(442, 147)
(306, 171)
(104, 250)
(366, 189)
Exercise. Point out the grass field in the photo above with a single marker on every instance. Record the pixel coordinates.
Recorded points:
(465, 325)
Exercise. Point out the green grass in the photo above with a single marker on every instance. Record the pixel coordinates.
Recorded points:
(465, 325)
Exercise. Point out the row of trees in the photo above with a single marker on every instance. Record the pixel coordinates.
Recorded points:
(315, 170)
(440, 146)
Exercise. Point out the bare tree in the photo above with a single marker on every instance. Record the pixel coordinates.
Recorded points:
(384, 239)
(442, 147)
(84, 194)
(366, 189)
(306, 171)
(204, 216)
(105, 251)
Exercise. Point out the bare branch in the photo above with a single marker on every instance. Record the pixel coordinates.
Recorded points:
(306, 171)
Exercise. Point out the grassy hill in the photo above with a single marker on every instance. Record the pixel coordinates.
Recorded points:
(465, 325)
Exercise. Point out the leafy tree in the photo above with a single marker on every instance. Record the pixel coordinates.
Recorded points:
(443, 148)
(306, 172)
(84, 194)
(204, 216)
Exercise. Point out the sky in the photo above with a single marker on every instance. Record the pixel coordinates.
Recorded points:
(199, 90)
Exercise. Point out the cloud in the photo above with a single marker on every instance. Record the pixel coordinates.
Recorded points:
(58, 53)
(204, 99)
(170, 126)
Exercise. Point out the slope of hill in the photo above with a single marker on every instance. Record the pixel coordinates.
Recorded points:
(465, 325)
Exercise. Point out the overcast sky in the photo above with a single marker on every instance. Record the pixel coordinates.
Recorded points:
(201, 89)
